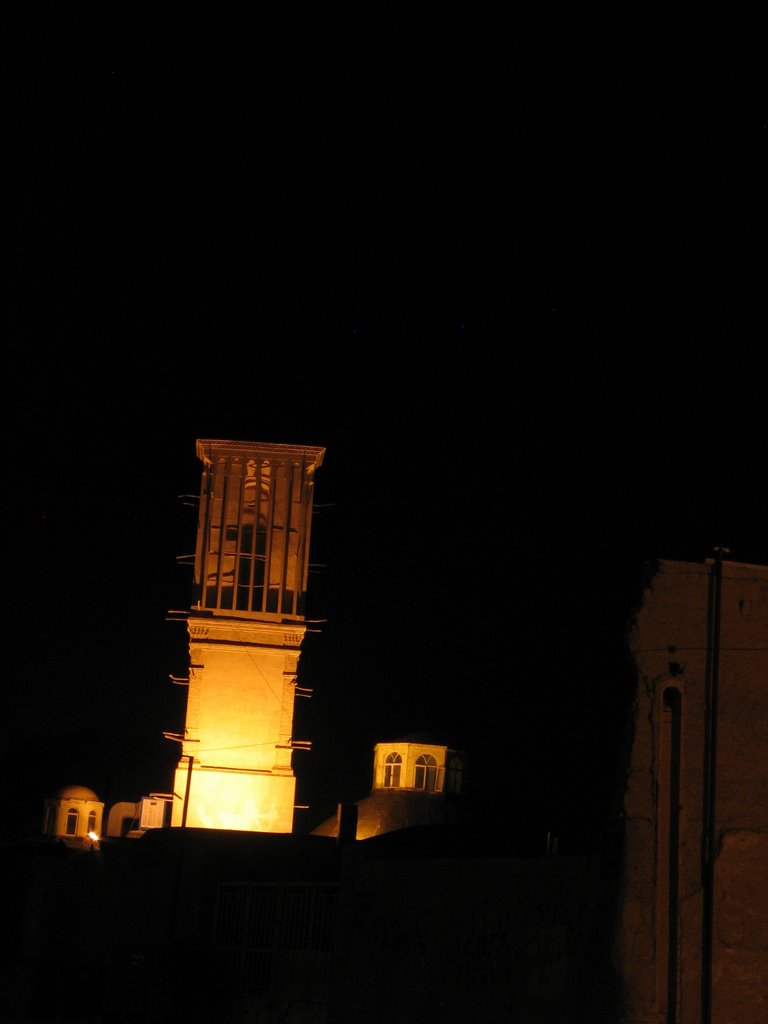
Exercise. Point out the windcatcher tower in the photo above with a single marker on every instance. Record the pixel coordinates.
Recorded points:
(246, 626)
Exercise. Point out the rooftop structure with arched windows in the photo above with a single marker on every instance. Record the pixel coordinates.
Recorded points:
(415, 782)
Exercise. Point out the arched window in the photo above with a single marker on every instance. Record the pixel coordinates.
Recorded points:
(426, 773)
(392, 770)
(92, 822)
(72, 816)
(455, 775)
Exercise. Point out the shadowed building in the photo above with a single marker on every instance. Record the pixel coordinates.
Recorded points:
(694, 914)
(246, 626)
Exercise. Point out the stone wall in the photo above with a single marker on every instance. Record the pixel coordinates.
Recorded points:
(693, 937)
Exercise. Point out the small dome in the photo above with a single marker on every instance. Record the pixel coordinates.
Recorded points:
(76, 793)
(426, 738)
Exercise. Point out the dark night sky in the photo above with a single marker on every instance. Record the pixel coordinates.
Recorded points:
(507, 269)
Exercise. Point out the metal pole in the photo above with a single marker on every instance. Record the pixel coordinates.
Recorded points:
(190, 759)
(710, 787)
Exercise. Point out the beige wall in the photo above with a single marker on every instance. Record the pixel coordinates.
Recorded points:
(239, 727)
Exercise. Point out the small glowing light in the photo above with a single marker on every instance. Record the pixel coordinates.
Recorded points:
(93, 836)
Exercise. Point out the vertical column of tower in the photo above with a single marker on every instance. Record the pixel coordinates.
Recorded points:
(246, 629)
(290, 667)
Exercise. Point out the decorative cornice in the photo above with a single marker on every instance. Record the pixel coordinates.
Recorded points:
(207, 447)
(247, 632)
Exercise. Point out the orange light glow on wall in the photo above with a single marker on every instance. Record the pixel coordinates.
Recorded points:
(244, 802)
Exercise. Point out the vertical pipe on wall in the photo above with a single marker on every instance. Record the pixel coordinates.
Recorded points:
(710, 781)
(672, 708)
(190, 762)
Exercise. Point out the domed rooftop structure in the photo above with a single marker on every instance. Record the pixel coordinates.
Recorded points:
(73, 814)
(414, 780)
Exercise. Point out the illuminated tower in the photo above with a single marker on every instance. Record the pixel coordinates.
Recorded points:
(246, 626)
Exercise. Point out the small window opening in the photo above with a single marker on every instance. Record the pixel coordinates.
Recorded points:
(392, 767)
(426, 773)
(455, 775)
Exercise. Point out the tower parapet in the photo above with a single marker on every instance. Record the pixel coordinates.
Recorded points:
(253, 532)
